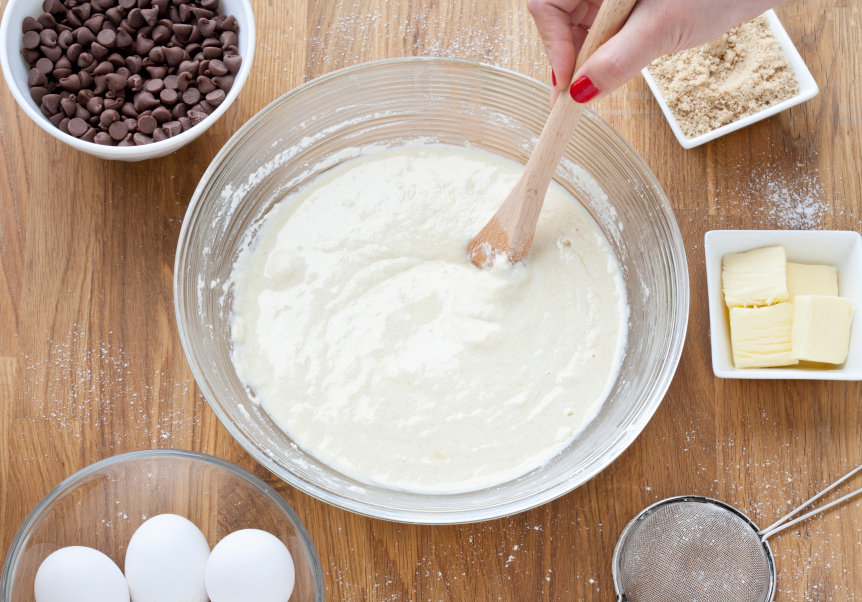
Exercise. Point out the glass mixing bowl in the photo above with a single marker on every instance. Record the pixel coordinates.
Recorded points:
(102, 505)
(314, 127)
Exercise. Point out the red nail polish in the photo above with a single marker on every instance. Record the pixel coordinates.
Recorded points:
(583, 90)
(554, 78)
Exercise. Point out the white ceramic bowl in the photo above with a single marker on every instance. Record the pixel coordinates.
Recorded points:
(807, 90)
(15, 70)
(840, 249)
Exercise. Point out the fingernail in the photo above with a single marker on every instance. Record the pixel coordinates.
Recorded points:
(554, 78)
(583, 90)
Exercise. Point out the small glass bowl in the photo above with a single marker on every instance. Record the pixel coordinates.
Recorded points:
(102, 505)
(395, 102)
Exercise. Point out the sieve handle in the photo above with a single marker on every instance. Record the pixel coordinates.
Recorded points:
(783, 524)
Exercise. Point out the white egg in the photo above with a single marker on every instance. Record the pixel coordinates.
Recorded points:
(166, 561)
(250, 565)
(78, 574)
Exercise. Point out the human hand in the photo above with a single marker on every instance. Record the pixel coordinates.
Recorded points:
(654, 28)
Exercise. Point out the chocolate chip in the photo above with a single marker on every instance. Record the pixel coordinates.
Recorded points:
(98, 51)
(150, 15)
(86, 60)
(101, 85)
(205, 84)
(191, 96)
(225, 82)
(159, 135)
(186, 123)
(96, 105)
(147, 124)
(131, 124)
(172, 128)
(162, 115)
(207, 27)
(209, 4)
(73, 53)
(144, 101)
(157, 72)
(174, 56)
(124, 39)
(104, 68)
(31, 24)
(65, 39)
(115, 15)
(45, 65)
(141, 139)
(228, 38)
(127, 141)
(64, 125)
(37, 93)
(180, 110)
(53, 53)
(195, 117)
(71, 83)
(233, 63)
(117, 82)
(135, 83)
(48, 37)
(118, 130)
(218, 68)
(114, 104)
(31, 40)
(78, 127)
(154, 86)
(53, 6)
(94, 23)
(36, 78)
(55, 119)
(84, 95)
(107, 38)
(103, 138)
(161, 34)
(30, 56)
(81, 112)
(183, 31)
(168, 96)
(129, 111)
(90, 135)
(108, 117)
(216, 97)
(47, 21)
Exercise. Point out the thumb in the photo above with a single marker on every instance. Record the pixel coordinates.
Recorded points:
(618, 60)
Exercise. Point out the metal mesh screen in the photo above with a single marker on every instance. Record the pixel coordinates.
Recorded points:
(693, 551)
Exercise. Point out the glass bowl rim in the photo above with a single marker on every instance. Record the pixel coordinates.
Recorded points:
(24, 530)
(676, 344)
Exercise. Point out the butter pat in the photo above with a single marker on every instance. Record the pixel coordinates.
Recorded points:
(821, 328)
(760, 336)
(811, 280)
(757, 277)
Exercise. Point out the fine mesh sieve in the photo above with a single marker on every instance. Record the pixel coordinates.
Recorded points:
(696, 549)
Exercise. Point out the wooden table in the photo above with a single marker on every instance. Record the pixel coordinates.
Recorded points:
(91, 364)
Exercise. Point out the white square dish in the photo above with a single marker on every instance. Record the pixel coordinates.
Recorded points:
(838, 248)
(807, 90)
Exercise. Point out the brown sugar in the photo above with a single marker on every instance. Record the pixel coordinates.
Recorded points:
(741, 73)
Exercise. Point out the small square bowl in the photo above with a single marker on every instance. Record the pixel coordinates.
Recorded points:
(840, 249)
(807, 90)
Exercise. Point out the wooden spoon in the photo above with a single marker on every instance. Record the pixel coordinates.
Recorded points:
(511, 229)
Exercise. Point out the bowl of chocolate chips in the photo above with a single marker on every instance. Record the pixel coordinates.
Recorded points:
(126, 79)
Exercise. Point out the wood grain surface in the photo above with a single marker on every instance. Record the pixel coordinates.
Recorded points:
(91, 364)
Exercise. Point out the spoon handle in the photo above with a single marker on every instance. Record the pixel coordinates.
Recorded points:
(512, 228)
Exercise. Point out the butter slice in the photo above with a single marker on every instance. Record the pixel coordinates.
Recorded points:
(757, 277)
(821, 328)
(811, 280)
(760, 336)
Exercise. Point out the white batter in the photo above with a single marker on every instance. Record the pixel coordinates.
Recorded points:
(369, 337)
